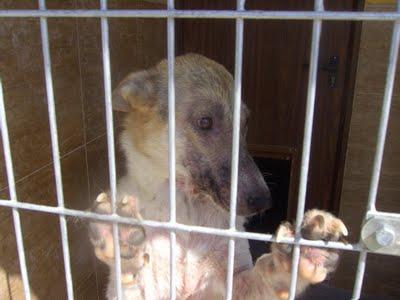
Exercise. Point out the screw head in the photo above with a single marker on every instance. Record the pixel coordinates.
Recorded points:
(385, 236)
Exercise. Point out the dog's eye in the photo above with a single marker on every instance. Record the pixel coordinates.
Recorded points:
(205, 123)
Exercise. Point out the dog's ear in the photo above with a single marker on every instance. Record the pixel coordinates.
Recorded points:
(137, 91)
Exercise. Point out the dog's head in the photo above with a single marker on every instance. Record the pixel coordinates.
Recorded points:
(204, 112)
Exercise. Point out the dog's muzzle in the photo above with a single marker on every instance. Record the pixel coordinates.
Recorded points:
(259, 203)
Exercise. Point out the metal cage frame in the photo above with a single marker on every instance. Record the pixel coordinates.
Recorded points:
(240, 14)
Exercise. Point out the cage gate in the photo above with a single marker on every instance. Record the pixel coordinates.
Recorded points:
(380, 232)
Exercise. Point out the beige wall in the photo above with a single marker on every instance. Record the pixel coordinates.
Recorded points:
(383, 272)
(78, 86)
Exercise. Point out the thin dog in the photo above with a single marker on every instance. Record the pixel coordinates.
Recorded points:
(204, 111)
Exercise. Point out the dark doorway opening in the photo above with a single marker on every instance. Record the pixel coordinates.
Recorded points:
(276, 173)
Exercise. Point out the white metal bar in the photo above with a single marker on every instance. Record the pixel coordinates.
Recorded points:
(204, 14)
(55, 149)
(362, 262)
(239, 14)
(177, 226)
(13, 195)
(110, 142)
(385, 114)
(380, 146)
(235, 147)
(382, 214)
(171, 146)
(308, 127)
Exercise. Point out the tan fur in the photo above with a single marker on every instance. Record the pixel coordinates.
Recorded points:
(142, 127)
(203, 89)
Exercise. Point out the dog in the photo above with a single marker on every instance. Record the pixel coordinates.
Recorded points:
(204, 112)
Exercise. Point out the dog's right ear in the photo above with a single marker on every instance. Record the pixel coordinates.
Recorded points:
(138, 91)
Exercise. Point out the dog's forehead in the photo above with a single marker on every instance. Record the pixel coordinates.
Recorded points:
(196, 71)
(204, 77)
(203, 80)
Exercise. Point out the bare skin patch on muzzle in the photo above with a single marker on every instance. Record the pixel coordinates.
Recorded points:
(214, 178)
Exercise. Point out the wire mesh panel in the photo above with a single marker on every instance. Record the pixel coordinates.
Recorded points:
(170, 14)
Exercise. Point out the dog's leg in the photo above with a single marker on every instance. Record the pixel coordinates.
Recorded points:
(131, 238)
(270, 278)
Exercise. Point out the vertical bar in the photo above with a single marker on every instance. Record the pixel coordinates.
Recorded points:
(380, 145)
(308, 126)
(362, 261)
(235, 147)
(387, 100)
(55, 148)
(171, 146)
(13, 195)
(110, 142)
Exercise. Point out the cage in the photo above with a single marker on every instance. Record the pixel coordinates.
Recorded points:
(318, 76)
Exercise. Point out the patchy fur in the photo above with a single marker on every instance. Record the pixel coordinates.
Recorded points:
(204, 97)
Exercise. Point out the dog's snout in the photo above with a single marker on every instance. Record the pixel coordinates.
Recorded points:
(260, 202)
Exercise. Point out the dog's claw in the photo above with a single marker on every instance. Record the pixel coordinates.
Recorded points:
(127, 207)
(342, 228)
(102, 198)
(125, 200)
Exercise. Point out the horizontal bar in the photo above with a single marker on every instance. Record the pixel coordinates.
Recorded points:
(177, 226)
(204, 14)
(382, 214)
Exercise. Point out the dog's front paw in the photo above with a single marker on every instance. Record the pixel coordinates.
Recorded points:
(131, 237)
(315, 263)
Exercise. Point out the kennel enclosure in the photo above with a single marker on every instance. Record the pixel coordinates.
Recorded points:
(240, 15)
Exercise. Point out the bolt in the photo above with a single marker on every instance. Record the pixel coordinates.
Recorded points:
(385, 236)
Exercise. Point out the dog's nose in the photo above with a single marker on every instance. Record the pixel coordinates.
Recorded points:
(260, 202)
